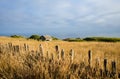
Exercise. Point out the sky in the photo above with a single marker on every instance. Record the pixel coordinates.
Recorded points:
(60, 18)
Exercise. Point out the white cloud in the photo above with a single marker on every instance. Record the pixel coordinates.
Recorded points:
(63, 5)
(105, 6)
(62, 9)
(62, 13)
(94, 11)
(86, 18)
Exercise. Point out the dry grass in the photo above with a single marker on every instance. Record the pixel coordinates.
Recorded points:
(15, 65)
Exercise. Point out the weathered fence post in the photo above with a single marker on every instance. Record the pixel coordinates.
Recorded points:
(62, 54)
(101, 72)
(89, 57)
(10, 46)
(118, 74)
(17, 48)
(105, 67)
(57, 48)
(26, 47)
(41, 50)
(71, 55)
(97, 63)
(113, 68)
(57, 51)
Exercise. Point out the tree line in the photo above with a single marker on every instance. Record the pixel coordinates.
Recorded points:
(97, 39)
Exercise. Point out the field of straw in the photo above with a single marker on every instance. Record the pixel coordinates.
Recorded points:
(29, 59)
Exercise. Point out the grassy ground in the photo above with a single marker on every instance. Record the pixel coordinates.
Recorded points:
(100, 50)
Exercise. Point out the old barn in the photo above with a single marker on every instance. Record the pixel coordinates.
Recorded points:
(46, 38)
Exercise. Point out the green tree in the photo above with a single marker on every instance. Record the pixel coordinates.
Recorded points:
(35, 37)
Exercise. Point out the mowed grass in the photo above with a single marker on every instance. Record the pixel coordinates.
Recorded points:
(100, 50)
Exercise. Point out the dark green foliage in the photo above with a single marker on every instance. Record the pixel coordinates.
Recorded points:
(35, 37)
(103, 39)
(98, 39)
(90, 39)
(55, 38)
(17, 36)
(73, 39)
(109, 39)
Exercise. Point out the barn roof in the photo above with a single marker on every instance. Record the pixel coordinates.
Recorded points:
(47, 36)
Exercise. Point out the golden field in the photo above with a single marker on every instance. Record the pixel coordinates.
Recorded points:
(100, 51)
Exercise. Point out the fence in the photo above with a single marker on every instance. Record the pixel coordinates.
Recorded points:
(78, 70)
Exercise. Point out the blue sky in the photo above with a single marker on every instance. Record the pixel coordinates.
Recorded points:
(61, 18)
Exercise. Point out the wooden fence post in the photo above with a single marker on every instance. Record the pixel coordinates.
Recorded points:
(10, 46)
(113, 67)
(118, 74)
(41, 50)
(105, 67)
(13, 49)
(62, 54)
(57, 48)
(89, 57)
(71, 55)
(57, 51)
(97, 63)
(26, 47)
(16, 48)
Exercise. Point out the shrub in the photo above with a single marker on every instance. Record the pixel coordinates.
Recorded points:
(17, 36)
(109, 39)
(35, 37)
(73, 39)
(103, 39)
(55, 38)
(89, 39)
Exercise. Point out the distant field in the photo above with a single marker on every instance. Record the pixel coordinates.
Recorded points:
(100, 50)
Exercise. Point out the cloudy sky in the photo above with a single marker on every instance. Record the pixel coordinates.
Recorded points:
(61, 18)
